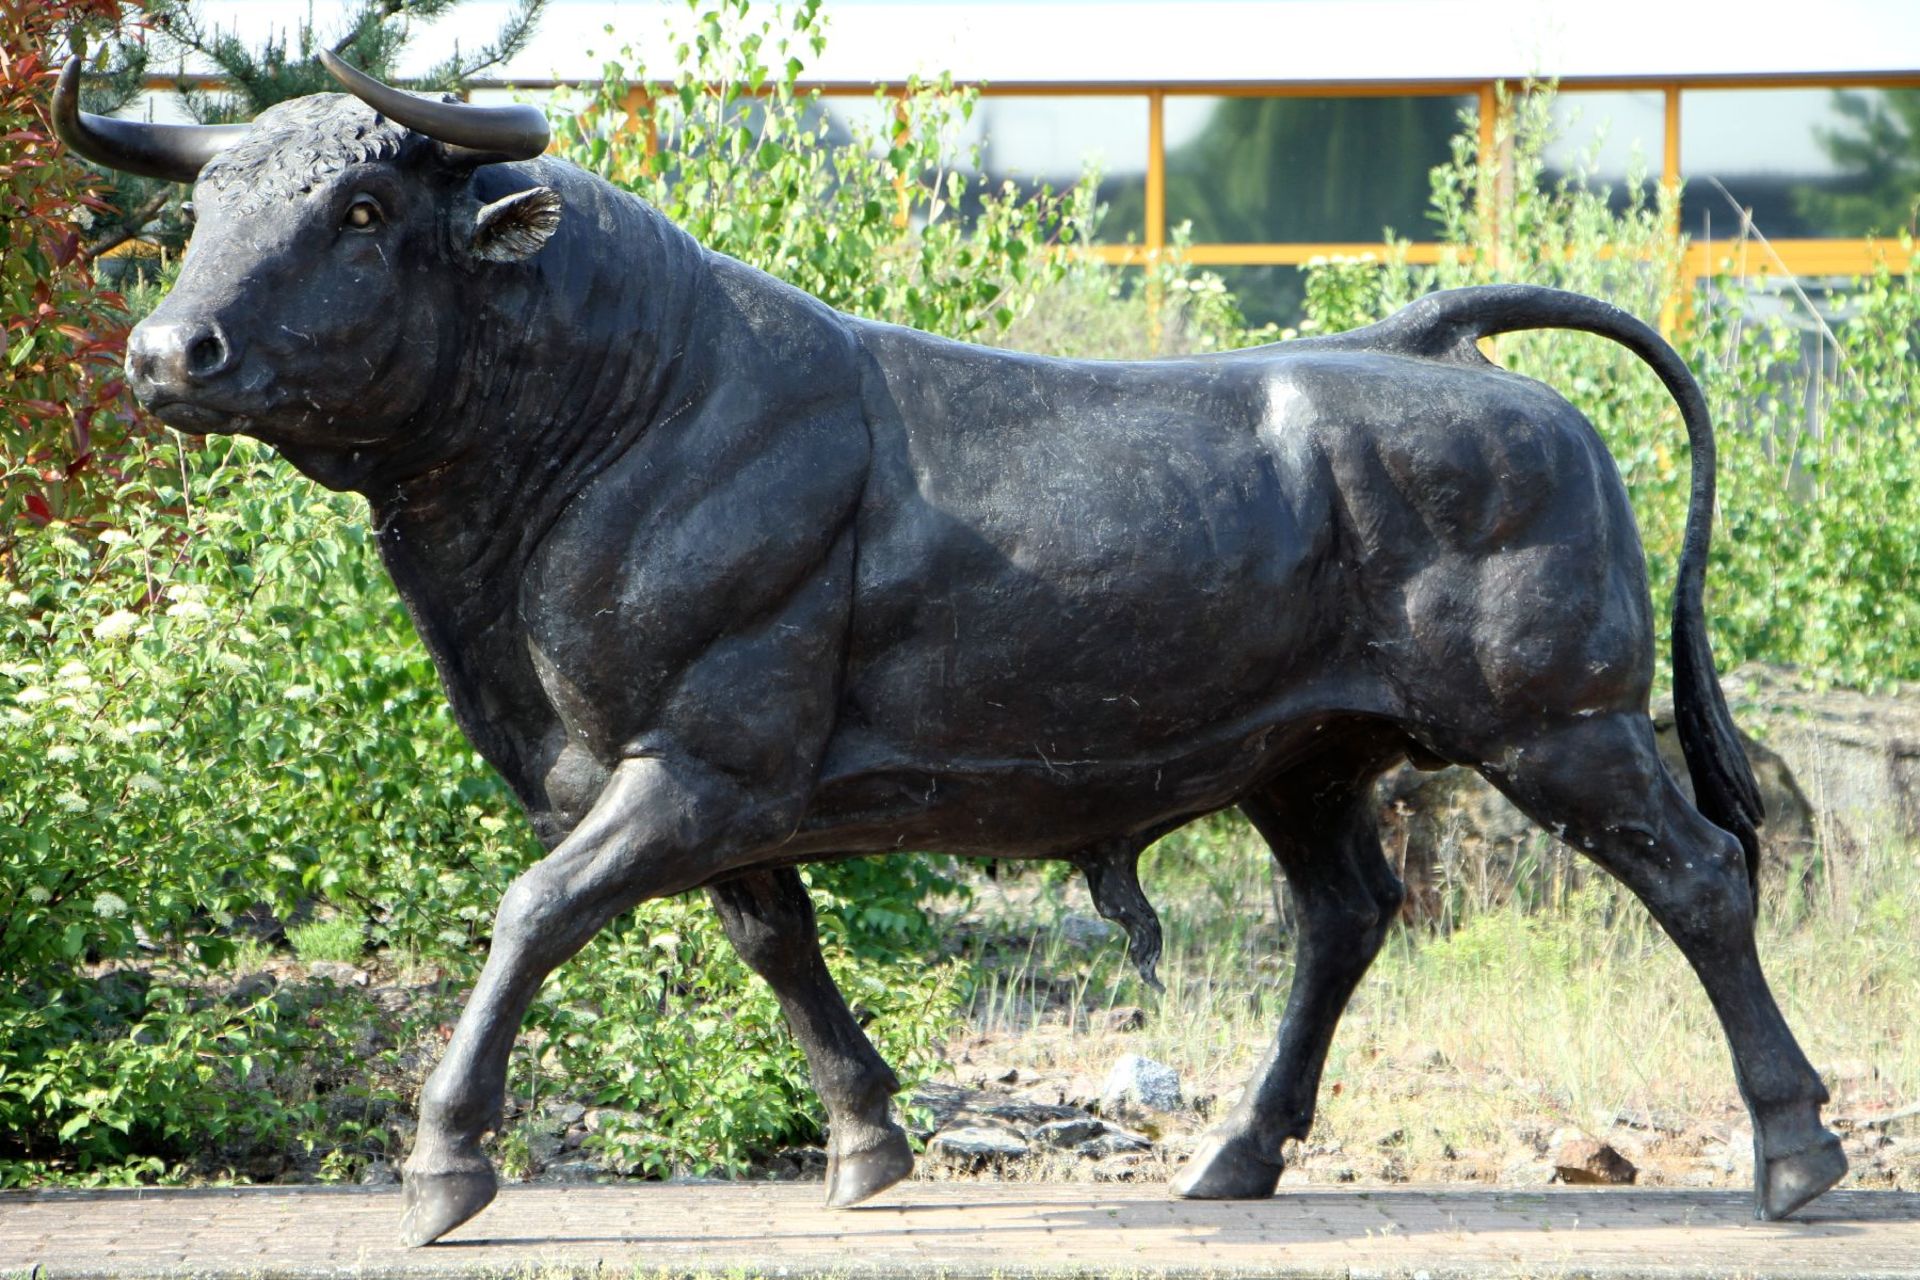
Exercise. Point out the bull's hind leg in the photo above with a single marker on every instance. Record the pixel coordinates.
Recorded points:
(1600, 785)
(1322, 834)
(769, 919)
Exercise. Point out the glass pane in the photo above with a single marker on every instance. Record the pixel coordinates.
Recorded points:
(847, 118)
(1267, 295)
(1607, 137)
(1807, 162)
(1035, 141)
(1252, 170)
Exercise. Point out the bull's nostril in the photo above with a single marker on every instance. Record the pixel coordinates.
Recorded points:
(206, 354)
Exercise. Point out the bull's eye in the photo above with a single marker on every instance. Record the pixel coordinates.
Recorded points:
(363, 213)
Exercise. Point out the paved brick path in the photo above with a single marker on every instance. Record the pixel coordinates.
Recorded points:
(926, 1230)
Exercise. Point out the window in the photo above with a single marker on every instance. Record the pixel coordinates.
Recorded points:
(1248, 170)
(1806, 162)
(1606, 137)
(1035, 141)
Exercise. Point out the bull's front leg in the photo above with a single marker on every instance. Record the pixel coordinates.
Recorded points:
(769, 919)
(658, 827)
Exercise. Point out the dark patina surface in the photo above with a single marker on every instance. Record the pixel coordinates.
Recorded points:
(723, 581)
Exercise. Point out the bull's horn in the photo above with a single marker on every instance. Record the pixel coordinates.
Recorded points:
(486, 133)
(171, 151)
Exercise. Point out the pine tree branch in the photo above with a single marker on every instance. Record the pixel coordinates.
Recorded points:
(514, 36)
(375, 15)
(129, 228)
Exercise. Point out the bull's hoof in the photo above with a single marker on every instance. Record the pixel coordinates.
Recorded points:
(1785, 1183)
(436, 1203)
(862, 1175)
(1230, 1168)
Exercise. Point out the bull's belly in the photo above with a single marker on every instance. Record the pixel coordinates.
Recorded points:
(877, 793)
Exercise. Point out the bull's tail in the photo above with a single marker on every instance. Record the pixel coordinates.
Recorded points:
(1448, 324)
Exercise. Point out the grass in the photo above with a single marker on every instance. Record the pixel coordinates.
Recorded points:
(338, 940)
(1461, 1044)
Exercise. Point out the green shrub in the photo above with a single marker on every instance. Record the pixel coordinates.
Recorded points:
(741, 160)
(183, 738)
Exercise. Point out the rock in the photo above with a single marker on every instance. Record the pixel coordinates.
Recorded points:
(264, 1166)
(1062, 1134)
(1859, 753)
(1655, 1120)
(1081, 1092)
(561, 1115)
(1526, 1172)
(1042, 1093)
(812, 1160)
(1023, 1115)
(1128, 1017)
(1120, 1168)
(572, 1171)
(780, 1168)
(338, 973)
(543, 1147)
(1588, 1160)
(613, 1119)
(933, 1106)
(1112, 1141)
(1141, 1082)
(254, 987)
(971, 1146)
(378, 1173)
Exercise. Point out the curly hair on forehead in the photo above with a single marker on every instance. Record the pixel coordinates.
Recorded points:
(297, 145)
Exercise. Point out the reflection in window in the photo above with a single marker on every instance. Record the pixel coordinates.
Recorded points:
(1607, 137)
(867, 118)
(1035, 141)
(1807, 162)
(1250, 170)
(1267, 295)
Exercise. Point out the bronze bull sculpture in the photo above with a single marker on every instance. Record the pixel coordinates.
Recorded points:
(723, 581)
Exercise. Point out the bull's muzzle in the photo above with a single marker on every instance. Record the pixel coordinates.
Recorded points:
(172, 367)
(169, 362)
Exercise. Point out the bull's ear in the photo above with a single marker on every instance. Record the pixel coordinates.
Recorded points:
(513, 228)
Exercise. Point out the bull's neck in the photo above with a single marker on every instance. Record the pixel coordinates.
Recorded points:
(560, 371)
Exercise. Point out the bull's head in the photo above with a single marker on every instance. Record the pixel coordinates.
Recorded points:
(320, 296)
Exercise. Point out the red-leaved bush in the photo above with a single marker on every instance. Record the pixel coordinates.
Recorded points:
(65, 415)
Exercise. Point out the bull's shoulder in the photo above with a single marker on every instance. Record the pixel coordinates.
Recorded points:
(719, 541)
(780, 343)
